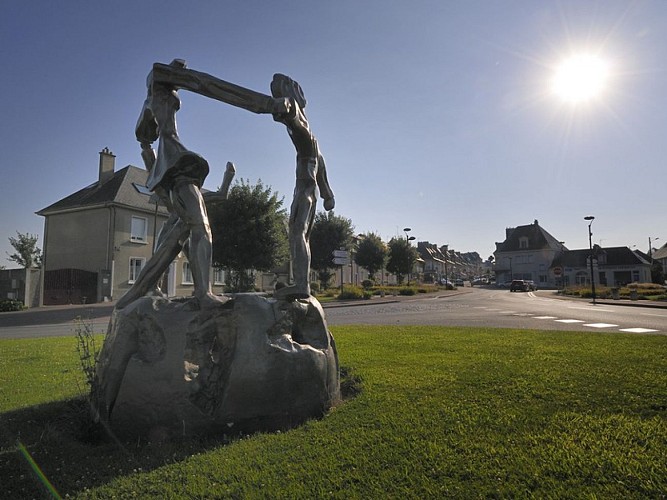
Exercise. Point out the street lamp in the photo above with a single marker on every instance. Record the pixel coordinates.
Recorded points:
(650, 248)
(408, 239)
(590, 246)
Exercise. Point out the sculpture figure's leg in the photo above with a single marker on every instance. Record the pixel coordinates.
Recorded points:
(302, 214)
(189, 204)
(170, 246)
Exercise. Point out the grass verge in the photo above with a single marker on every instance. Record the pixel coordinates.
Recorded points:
(443, 412)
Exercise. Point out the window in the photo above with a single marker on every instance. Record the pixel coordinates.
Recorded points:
(142, 189)
(218, 276)
(187, 274)
(582, 278)
(136, 265)
(523, 242)
(139, 229)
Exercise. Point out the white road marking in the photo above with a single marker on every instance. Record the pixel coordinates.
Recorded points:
(546, 317)
(569, 321)
(523, 315)
(638, 330)
(592, 308)
(600, 325)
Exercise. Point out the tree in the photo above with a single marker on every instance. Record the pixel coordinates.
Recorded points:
(371, 254)
(330, 232)
(402, 258)
(657, 272)
(27, 254)
(249, 233)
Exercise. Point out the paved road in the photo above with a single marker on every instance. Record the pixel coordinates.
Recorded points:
(468, 307)
(53, 320)
(500, 308)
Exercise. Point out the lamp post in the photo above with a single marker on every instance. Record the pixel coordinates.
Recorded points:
(408, 239)
(590, 246)
(650, 248)
(650, 256)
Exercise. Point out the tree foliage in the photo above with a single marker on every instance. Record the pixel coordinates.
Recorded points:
(657, 272)
(402, 257)
(330, 232)
(249, 233)
(371, 254)
(27, 253)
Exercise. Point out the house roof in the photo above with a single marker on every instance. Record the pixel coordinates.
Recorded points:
(661, 253)
(127, 187)
(615, 256)
(430, 251)
(538, 238)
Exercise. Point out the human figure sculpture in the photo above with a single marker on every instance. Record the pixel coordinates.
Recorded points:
(176, 175)
(311, 174)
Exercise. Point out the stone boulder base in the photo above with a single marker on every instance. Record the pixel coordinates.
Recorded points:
(168, 369)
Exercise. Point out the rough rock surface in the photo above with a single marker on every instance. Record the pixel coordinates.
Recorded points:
(167, 367)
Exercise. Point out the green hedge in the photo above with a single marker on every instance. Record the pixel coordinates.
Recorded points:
(11, 305)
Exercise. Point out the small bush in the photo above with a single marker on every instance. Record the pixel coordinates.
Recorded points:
(11, 305)
(407, 291)
(367, 284)
(354, 292)
(314, 287)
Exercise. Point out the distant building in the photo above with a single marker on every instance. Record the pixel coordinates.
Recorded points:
(614, 266)
(661, 256)
(527, 253)
(97, 240)
(435, 265)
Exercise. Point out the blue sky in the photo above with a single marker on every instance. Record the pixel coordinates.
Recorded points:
(437, 115)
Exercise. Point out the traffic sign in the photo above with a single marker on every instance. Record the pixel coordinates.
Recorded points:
(558, 271)
(340, 254)
(341, 261)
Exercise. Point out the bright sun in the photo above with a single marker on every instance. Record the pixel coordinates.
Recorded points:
(580, 78)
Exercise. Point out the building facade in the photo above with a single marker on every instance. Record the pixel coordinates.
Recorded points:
(613, 267)
(527, 253)
(97, 240)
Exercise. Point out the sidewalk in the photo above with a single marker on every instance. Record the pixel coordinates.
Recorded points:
(48, 315)
(609, 302)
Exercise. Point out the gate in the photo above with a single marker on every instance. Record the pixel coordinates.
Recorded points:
(69, 286)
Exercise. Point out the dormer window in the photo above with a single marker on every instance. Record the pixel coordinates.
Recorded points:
(523, 242)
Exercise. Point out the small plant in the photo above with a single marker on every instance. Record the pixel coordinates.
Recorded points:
(354, 292)
(367, 284)
(89, 354)
(407, 291)
(314, 287)
(8, 305)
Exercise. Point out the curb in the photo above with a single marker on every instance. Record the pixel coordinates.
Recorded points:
(606, 302)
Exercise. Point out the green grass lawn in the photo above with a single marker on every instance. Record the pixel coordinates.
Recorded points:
(443, 413)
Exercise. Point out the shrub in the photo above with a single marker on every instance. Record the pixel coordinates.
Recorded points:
(407, 291)
(367, 284)
(314, 287)
(354, 292)
(11, 305)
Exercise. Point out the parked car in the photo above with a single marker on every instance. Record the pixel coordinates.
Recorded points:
(458, 282)
(519, 286)
(531, 285)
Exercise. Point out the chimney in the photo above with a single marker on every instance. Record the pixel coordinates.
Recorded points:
(107, 162)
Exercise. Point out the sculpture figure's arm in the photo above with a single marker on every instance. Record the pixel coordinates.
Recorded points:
(326, 193)
(215, 88)
(212, 197)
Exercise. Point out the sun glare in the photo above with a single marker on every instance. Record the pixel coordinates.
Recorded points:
(581, 78)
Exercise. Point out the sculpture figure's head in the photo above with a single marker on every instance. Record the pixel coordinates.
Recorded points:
(284, 86)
